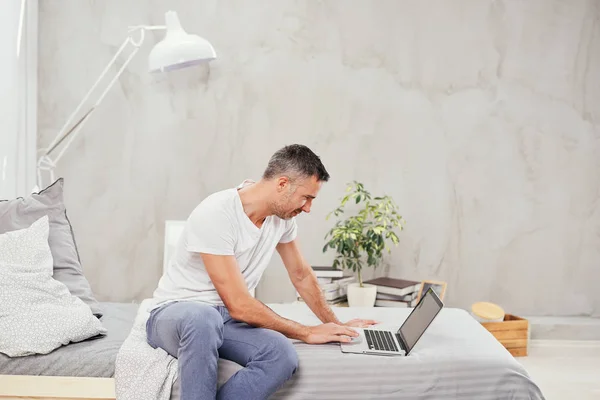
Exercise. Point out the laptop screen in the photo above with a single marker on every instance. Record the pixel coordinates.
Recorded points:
(420, 318)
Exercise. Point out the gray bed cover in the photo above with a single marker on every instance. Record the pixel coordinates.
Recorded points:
(93, 357)
(456, 359)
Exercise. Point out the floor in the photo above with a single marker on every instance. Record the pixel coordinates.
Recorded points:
(565, 369)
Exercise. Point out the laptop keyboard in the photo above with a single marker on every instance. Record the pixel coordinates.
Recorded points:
(380, 340)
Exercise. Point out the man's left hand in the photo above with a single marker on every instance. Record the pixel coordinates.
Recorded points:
(361, 323)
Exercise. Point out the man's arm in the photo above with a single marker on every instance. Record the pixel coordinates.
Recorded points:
(229, 283)
(305, 281)
(307, 285)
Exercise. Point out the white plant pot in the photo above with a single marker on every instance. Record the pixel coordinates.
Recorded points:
(361, 296)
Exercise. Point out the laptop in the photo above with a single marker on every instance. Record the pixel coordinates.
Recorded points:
(399, 343)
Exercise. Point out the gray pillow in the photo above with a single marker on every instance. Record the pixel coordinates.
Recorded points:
(20, 213)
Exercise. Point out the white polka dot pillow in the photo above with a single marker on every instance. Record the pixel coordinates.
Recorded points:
(37, 313)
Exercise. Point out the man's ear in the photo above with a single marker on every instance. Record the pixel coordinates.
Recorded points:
(283, 183)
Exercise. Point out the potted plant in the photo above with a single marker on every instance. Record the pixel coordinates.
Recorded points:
(360, 240)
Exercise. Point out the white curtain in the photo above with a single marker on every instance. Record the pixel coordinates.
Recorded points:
(18, 97)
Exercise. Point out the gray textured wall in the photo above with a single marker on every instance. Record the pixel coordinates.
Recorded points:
(481, 118)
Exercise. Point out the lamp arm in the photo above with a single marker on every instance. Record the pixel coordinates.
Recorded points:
(74, 131)
(45, 162)
(63, 131)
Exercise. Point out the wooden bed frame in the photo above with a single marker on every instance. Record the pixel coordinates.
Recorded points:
(30, 387)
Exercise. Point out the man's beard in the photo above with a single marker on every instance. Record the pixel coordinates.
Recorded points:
(281, 212)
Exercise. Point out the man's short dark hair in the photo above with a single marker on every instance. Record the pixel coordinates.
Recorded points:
(296, 160)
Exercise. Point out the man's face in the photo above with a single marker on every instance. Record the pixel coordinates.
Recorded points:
(294, 198)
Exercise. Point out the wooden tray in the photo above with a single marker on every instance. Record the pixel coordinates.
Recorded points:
(513, 333)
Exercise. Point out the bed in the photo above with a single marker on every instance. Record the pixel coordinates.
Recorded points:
(90, 358)
(457, 358)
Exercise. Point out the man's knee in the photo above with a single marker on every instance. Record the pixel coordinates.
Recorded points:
(284, 355)
(186, 321)
(200, 322)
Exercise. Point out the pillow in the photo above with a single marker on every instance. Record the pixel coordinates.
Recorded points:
(37, 313)
(22, 212)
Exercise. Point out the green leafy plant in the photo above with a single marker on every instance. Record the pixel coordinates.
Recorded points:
(361, 239)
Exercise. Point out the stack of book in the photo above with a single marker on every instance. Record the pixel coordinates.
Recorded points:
(393, 292)
(333, 283)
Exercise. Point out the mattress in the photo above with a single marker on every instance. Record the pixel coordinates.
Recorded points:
(456, 358)
(90, 358)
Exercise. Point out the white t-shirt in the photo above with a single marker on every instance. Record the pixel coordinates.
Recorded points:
(219, 225)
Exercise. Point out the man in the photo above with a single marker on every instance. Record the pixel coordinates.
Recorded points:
(203, 306)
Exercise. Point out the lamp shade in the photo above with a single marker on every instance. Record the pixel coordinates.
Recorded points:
(179, 49)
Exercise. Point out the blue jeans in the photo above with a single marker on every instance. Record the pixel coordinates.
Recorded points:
(198, 334)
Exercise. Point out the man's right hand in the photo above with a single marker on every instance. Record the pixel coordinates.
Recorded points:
(329, 332)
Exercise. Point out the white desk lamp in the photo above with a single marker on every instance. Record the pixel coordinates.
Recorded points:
(177, 50)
